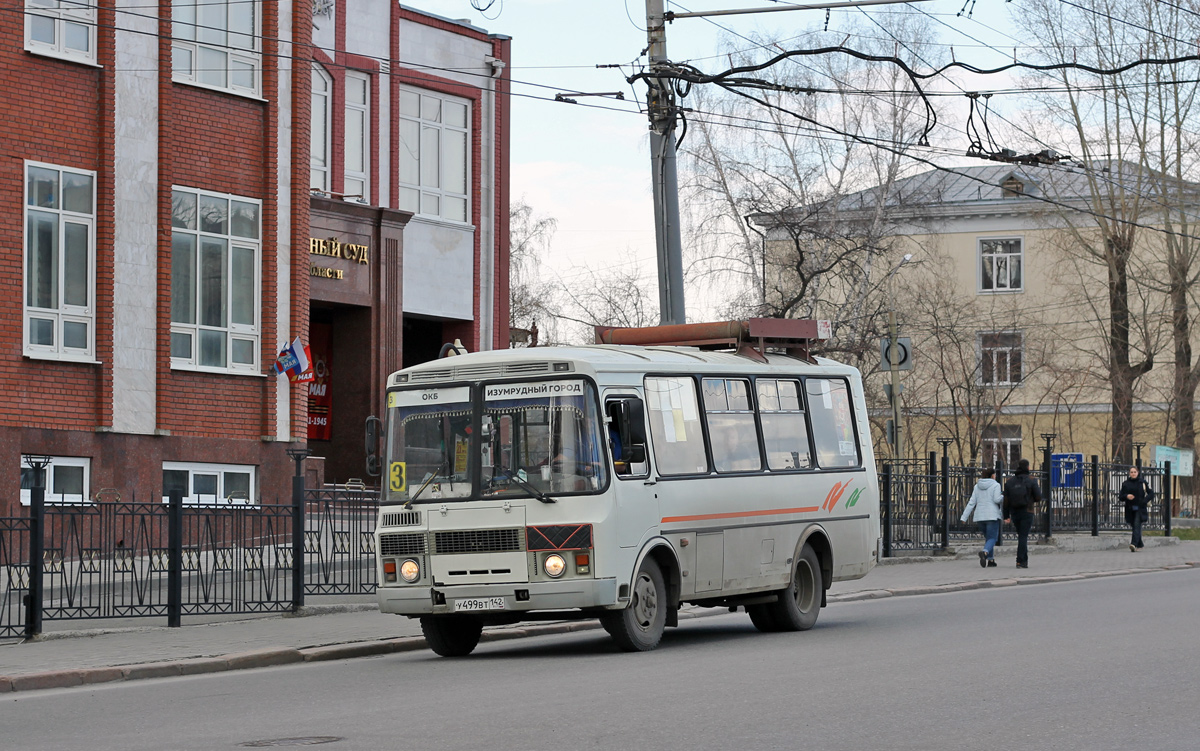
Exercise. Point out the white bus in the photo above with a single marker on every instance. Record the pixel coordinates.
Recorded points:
(620, 482)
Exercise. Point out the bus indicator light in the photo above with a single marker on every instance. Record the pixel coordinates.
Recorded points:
(583, 563)
(389, 570)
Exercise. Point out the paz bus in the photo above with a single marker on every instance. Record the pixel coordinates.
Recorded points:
(718, 465)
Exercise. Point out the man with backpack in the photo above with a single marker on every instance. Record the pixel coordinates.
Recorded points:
(1021, 493)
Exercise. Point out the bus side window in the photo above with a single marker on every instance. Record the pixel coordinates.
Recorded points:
(784, 424)
(731, 431)
(832, 422)
(675, 425)
(627, 436)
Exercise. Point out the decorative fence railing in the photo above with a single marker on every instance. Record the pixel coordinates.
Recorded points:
(921, 507)
(115, 559)
(339, 540)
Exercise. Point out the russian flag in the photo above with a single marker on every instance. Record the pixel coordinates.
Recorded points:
(295, 360)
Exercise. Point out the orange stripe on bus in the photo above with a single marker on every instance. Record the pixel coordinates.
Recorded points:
(736, 514)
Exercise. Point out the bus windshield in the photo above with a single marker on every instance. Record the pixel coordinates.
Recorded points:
(428, 444)
(536, 439)
(544, 436)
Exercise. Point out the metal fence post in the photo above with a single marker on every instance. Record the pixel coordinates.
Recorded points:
(1046, 490)
(1166, 495)
(1000, 479)
(175, 558)
(37, 523)
(887, 511)
(931, 492)
(945, 502)
(1095, 496)
(297, 541)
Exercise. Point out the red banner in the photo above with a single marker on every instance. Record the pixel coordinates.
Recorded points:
(320, 397)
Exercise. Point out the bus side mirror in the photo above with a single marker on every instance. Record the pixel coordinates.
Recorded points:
(635, 453)
(633, 424)
(374, 429)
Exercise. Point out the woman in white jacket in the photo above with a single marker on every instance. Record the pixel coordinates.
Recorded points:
(986, 501)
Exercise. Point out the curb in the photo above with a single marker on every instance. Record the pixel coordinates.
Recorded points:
(273, 656)
(933, 589)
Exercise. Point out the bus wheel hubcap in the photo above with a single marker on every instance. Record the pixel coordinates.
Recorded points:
(645, 601)
(803, 588)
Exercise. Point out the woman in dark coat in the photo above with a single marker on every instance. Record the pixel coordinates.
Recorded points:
(1137, 496)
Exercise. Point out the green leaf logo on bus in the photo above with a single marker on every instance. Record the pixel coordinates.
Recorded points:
(835, 495)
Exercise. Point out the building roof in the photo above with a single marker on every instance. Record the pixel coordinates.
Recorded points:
(991, 184)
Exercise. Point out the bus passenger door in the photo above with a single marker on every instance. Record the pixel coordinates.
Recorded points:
(636, 504)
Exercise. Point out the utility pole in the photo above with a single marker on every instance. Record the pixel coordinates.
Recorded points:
(661, 108)
(660, 105)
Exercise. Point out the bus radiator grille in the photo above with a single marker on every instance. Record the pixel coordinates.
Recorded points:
(478, 541)
(397, 544)
(402, 519)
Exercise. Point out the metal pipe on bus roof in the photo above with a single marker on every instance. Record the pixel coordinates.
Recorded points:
(673, 334)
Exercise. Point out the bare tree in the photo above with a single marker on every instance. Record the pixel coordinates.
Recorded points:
(620, 295)
(1133, 133)
(961, 389)
(793, 219)
(531, 298)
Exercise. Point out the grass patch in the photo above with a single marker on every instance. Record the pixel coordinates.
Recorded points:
(1183, 533)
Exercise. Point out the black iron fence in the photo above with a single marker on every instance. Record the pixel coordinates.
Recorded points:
(339, 540)
(122, 559)
(922, 503)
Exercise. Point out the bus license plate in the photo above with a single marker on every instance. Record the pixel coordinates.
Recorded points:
(479, 603)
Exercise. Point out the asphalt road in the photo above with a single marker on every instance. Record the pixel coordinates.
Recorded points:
(1092, 665)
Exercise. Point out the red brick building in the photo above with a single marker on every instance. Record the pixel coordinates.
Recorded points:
(191, 185)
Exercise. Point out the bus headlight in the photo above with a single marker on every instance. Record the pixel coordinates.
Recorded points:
(410, 571)
(554, 565)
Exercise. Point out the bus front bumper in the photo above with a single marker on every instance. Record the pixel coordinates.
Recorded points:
(517, 597)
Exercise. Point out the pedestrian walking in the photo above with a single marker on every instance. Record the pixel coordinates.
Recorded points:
(1137, 496)
(986, 500)
(1021, 493)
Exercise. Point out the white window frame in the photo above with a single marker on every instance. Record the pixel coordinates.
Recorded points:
(362, 176)
(319, 155)
(221, 498)
(992, 352)
(60, 499)
(1000, 261)
(1001, 445)
(63, 314)
(234, 332)
(417, 192)
(62, 14)
(188, 45)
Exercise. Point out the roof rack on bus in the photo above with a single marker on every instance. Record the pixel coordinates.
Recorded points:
(749, 338)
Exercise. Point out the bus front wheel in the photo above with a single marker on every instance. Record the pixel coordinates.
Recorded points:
(451, 635)
(639, 627)
(799, 604)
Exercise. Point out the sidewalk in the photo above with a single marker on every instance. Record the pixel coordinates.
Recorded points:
(112, 652)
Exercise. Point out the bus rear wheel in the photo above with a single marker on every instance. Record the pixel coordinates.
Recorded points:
(639, 627)
(452, 635)
(799, 605)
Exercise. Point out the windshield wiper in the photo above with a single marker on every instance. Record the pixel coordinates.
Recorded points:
(519, 478)
(428, 481)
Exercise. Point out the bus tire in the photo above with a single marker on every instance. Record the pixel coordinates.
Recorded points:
(799, 604)
(451, 635)
(760, 616)
(639, 627)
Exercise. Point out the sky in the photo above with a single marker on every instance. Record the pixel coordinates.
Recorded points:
(587, 165)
